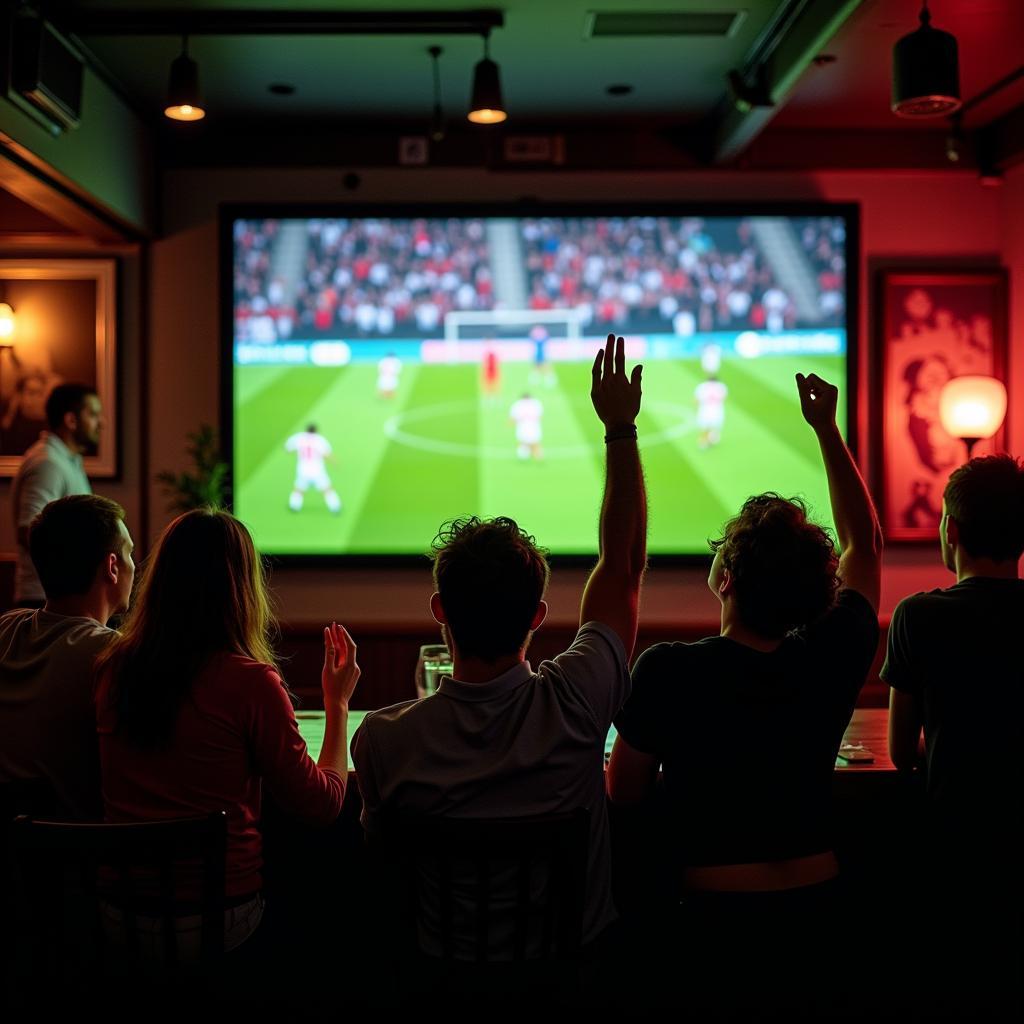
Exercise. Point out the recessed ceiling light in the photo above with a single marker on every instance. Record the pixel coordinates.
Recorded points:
(619, 90)
(281, 89)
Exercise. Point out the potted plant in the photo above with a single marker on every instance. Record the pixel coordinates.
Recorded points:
(205, 484)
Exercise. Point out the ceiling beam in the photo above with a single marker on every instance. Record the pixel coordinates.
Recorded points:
(798, 33)
(27, 178)
(199, 22)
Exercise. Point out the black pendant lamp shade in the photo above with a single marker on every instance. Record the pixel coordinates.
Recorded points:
(925, 72)
(184, 102)
(485, 106)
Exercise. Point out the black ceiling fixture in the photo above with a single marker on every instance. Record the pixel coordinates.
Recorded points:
(281, 89)
(486, 105)
(184, 102)
(437, 118)
(749, 91)
(620, 89)
(925, 72)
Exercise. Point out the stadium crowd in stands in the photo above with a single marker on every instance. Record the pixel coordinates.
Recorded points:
(824, 242)
(392, 278)
(369, 278)
(654, 273)
(259, 300)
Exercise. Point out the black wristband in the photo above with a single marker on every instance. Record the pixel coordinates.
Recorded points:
(622, 434)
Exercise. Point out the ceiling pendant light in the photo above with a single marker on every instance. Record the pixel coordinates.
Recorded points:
(437, 120)
(485, 106)
(183, 100)
(925, 72)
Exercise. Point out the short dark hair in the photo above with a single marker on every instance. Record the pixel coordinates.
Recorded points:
(65, 398)
(986, 498)
(785, 568)
(69, 540)
(491, 577)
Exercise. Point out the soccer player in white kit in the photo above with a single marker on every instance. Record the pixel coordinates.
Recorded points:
(710, 395)
(388, 371)
(527, 413)
(312, 449)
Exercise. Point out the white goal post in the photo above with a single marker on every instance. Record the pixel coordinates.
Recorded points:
(457, 319)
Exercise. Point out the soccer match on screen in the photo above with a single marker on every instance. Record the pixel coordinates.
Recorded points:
(393, 373)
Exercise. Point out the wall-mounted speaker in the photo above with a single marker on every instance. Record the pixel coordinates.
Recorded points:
(45, 71)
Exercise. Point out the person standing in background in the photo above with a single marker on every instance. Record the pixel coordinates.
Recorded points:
(52, 468)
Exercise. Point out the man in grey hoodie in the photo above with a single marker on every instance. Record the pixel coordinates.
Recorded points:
(82, 551)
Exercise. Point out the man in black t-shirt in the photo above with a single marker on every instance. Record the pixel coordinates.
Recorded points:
(956, 670)
(954, 661)
(746, 724)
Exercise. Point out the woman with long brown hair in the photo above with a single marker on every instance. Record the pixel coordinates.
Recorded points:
(193, 715)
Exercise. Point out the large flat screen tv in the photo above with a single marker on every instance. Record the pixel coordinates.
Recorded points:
(387, 369)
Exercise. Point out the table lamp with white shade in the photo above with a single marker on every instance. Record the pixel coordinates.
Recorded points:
(972, 408)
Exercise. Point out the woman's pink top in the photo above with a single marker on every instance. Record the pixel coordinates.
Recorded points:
(235, 734)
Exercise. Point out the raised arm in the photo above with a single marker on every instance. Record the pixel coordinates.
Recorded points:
(612, 594)
(339, 678)
(857, 528)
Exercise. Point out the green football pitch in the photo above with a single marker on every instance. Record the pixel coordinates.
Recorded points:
(440, 449)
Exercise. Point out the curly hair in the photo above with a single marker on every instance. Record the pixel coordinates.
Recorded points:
(784, 567)
(491, 576)
(986, 498)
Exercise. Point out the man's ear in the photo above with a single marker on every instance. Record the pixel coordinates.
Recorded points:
(111, 568)
(726, 587)
(437, 610)
(952, 531)
(539, 615)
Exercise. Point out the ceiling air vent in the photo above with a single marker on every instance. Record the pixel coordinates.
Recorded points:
(605, 24)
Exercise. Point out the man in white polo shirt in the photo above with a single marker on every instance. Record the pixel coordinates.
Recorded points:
(498, 739)
(52, 468)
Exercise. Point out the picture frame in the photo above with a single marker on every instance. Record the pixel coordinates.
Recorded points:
(931, 324)
(65, 316)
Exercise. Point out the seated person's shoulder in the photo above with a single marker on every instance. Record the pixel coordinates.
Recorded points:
(595, 639)
(41, 628)
(924, 604)
(596, 654)
(237, 672)
(666, 658)
(391, 728)
(396, 716)
(852, 615)
(14, 619)
(593, 672)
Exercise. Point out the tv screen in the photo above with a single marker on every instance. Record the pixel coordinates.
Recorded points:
(393, 369)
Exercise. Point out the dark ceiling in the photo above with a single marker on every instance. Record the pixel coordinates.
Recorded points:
(624, 83)
(551, 70)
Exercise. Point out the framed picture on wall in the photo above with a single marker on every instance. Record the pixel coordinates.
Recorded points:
(931, 326)
(64, 331)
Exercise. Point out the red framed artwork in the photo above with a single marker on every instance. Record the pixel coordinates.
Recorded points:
(931, 326)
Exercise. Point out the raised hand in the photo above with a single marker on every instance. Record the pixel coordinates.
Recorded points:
(817, 400)
(616, 397)
(341, 673)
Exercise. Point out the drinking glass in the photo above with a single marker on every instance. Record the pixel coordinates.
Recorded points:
(434, 662)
